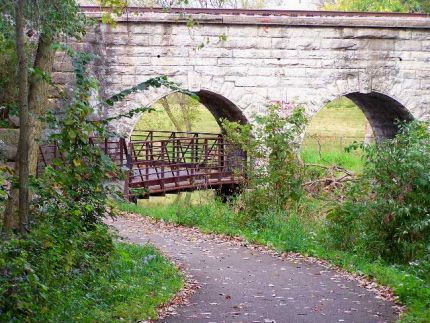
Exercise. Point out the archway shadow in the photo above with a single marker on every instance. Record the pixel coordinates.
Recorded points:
(221, 107)
(382, 112)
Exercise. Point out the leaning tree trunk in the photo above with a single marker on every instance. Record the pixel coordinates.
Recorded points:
(37, 99)
(184, 102)
(16, 218)
(168, 109)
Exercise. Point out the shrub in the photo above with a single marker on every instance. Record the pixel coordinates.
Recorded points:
(67, 237)
(36, 268)
(274, 172)
(386, 214)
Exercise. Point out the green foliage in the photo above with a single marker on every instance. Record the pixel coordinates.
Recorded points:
(379, 5)
(8, 68)
(67, 237)
(114, 289)
(274, 173)
(75, 183)
(387, 212)
(36, 268)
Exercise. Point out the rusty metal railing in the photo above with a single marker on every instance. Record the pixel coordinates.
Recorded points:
(160, 162)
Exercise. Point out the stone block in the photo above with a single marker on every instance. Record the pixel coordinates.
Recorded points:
(408, 45)
(9, 139)
(251, 53)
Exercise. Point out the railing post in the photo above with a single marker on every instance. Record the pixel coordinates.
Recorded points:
(147, 161)
(129, 165)
(221, 158)
(192, 155)
(163, 158)
(121, 151)
(174, 147)
(129, 155)
(206, 150)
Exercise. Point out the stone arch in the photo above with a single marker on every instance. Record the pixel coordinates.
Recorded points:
(219, 106)
(381, 111)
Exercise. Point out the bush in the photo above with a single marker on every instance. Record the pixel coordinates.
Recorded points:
(274, 172)
(386, 214)
(37, 267)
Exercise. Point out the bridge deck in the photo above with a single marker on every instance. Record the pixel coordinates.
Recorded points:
(160, 162)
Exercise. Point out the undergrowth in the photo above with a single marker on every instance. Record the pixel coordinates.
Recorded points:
(116, 291)
(63, 266)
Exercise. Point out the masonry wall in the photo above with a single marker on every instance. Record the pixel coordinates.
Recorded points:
(253, 64)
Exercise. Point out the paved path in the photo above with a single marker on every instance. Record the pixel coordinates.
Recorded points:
(240, 284)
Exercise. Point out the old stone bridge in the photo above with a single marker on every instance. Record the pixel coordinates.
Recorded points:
(237, 61)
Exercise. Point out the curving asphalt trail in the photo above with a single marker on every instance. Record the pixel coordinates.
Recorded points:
(239, 284)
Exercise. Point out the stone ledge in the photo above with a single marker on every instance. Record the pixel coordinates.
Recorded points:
(394, 21)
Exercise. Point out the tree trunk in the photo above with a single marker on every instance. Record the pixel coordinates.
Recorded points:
(169, 112)
(185, 104)
(13, 219)
(37, 100)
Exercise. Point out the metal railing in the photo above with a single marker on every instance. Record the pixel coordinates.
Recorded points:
(174, 161)
(162, 161)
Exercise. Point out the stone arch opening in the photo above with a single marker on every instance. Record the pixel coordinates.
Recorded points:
(175, 157)
(354, 117)
(215, 108)
(382, 112)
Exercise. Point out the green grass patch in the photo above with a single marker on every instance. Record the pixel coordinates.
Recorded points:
(352, 161)
(339, 124)
(135, 283)
(184, 198)
(340, 118)
(288, 232)
(203, 120)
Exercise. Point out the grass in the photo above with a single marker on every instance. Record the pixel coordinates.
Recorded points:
(137, 281)
(289, 232)
(340, 118)
(332, 129)
(183, 198)
(203, 120)
(352, 161)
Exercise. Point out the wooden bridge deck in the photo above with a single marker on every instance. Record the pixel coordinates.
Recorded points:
(160, 162)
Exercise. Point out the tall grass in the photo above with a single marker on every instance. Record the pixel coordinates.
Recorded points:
(136, 282)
